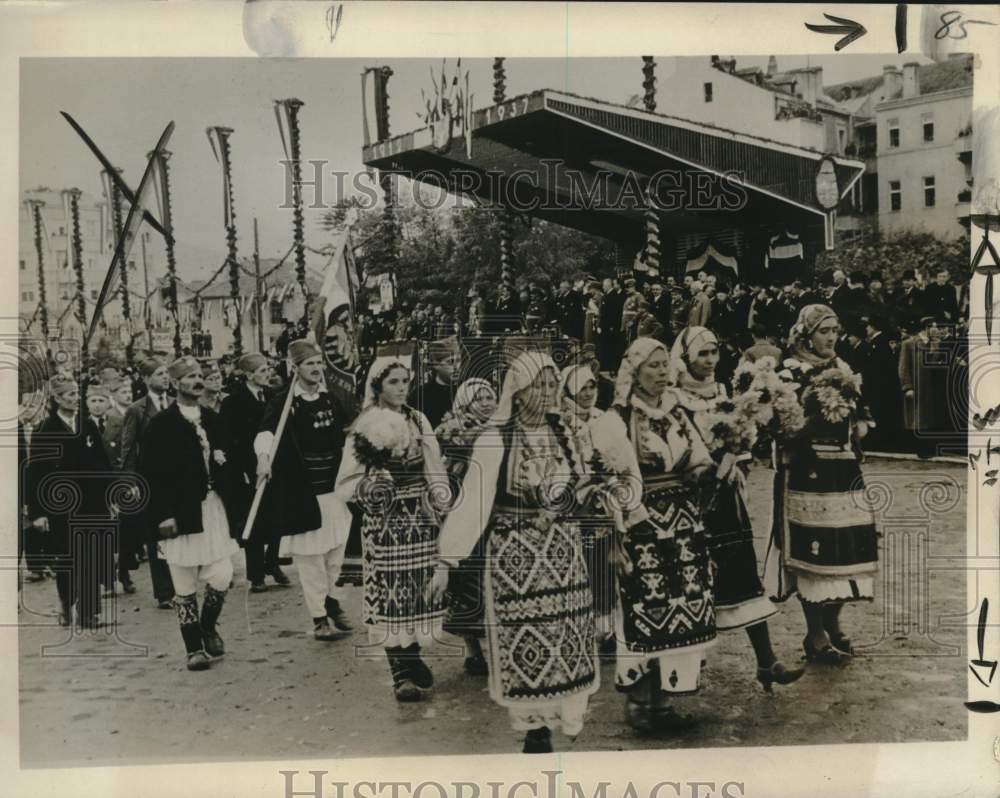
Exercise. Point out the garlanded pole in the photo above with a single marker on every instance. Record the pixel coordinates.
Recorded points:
(77, 255)
(506, 272)
(163, 173)
(389, 229)
(222, 134)
(43, 307)
(649, 83)
(114, 196)
(294, 154)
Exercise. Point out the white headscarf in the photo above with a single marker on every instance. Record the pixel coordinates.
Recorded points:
(687, 345)
(522, 372)
(467, 392)
(574, 378)
(637, 354)
(379, 369)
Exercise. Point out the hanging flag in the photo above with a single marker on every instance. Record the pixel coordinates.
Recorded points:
(136, 213)
(333, 313)
(785, 258)
(712, 258)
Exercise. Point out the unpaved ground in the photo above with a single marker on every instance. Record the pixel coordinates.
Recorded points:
(279, 693)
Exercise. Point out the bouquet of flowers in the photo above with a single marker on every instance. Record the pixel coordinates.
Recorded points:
(768, 397)
(458, 430)
(379, 436)
(832, 396)
(732, 427)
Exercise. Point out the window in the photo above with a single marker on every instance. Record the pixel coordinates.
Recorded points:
(893, 132)
(928, 192)
(708, 92)
(93, 293)
(27, 296)
(131, 265)
(895, 195)
(62, 231)
(928, 122)
(841, 139)
(277, 316)
(23, 265)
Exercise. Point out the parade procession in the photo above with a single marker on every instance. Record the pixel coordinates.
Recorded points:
(599, 448)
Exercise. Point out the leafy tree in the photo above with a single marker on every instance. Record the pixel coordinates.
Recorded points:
(891, 255)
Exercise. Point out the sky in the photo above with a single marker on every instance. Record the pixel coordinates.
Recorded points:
(124, 104)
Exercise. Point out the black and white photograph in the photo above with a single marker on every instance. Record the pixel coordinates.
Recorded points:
(455, 406)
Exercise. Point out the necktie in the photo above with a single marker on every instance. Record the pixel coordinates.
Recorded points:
(100, 425)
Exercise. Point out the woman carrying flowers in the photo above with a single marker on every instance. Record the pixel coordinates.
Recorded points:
(392, 467)
(475, 401)
(665, 619)
(824, 542)
(521, 498)
(729, 431)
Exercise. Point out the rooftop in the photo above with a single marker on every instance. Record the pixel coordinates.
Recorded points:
(955, 73)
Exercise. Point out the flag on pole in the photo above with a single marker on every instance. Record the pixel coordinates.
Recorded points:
(144, 196)
(334, 309)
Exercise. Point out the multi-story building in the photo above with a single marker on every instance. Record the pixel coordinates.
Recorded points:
(913, 132)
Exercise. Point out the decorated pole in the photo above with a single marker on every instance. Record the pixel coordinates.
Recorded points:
(506, 272)
(163, 172)
(258, 299)
(77, 255)
(294, 154)
(389, 230)
(649, 262)
(114, 196)
(43, 307)
(222, 134)
(649, 83)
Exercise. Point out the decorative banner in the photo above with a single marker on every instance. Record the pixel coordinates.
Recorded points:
(713, 259)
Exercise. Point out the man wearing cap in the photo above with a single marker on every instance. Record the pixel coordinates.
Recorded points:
(299, 501)
(243, 410)
(435, 396)
(213, 395)
(194, 505)
(68, 459)
(137, 530)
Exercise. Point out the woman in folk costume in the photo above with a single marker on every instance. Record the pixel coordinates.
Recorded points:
(475, 402)
(392, 467)
(824, 542)
(665, 619)
(578, 399)
(542, 654)
(740, 602)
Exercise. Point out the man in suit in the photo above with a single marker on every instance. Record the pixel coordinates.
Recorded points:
(66, 448)
(661, 304)
(435, 396)
(611, 339)
(941, 299)
(908, 303)
(137, 417)
(242, 411)
(195, 507)
(880, 385)
(924, 386)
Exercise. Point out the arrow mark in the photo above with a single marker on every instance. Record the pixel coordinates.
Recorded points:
(853, 30)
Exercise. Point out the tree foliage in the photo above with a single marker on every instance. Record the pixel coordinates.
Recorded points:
(442, 252)
(892, 255)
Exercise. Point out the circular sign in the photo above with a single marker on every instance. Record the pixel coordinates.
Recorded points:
(827, 188)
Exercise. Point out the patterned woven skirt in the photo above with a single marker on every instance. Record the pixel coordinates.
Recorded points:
(399, 551)
(543, 657)
(824, 543)
(739, 594)
(666, 609)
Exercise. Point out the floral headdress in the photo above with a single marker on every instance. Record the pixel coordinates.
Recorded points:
(810, 318)
(388, 357)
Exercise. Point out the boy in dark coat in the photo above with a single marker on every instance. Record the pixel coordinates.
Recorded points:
(187, 460)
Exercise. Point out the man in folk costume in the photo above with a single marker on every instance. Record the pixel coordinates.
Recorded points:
(68, 458)
(436, 396)
(137, 419)
(186, 459)
(299, 500)
(243, 411)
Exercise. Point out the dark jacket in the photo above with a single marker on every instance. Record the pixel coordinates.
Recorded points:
(289, 506)
(68, 474)
(243, 413)
(173, 464)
